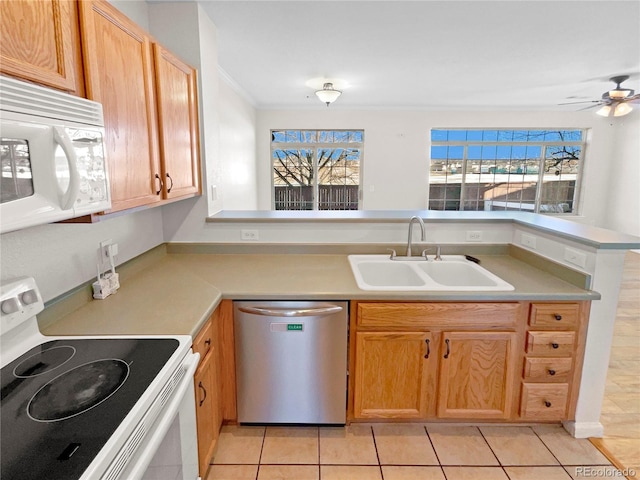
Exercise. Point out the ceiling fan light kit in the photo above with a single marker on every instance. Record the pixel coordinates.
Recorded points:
(328, 94)
(616, 109)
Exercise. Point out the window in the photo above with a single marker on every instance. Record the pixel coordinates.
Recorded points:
(316, 169)
(528, 170)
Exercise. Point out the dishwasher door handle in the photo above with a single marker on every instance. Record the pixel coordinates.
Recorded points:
(292, 312)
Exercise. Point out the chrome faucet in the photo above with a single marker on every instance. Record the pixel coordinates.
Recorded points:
(423, 236)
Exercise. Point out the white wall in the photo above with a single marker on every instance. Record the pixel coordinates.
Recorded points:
(62, 256)
(238, 182)
(622, 189)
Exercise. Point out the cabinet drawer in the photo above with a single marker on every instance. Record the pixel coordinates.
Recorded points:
(550, 343)
(204, 340)
(547, 369)
(429, 315)
(554, 315)
(542, 401)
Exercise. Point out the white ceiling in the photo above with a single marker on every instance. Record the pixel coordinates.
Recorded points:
(427, 54)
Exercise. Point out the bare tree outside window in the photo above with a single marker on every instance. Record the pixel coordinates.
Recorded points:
(316, 169)
(529, 170)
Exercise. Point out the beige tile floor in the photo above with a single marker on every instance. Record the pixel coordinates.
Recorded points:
(404, 452)
(447, 452)
(621, 406)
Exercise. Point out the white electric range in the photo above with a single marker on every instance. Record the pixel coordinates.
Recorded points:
(118, 407)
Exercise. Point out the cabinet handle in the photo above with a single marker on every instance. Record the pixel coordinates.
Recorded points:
(205, 394)
(169, 189)
(161, 184)
(557, 317)
(426, 355)
(547, 403)
(446, 355)
(207, 342)
(552, 372)
(554, 345)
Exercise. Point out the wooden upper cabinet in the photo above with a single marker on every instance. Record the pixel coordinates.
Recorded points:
(39, 42)
(119, 74)
(178, 124)
(477, 375)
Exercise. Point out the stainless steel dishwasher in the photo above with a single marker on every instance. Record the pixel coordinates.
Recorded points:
(291, 361)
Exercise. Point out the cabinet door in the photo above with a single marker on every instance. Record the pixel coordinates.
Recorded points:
(392, 374)
(119, 74)
(204, 380)
(38, 42)
(476, 375)
(178, 124)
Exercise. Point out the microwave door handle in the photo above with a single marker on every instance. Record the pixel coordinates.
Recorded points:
(62, 139)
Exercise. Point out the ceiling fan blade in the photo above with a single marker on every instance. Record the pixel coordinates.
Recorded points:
(587, 108)
(633, 99)
(584, 101)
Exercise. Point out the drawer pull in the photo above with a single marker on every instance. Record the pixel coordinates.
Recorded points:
(555, 345)
(161, 185)
(207, 342)
(547, 403)
(426, 355)
(205, 394)
(557, 317)
(171, 179)
(552, 372)
(446, 355)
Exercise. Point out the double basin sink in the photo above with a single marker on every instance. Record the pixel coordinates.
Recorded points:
(451, 273)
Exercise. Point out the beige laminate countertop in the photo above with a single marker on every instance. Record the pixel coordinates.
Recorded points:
(178, 292)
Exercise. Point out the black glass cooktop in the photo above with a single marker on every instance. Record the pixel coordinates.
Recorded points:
(62, 400)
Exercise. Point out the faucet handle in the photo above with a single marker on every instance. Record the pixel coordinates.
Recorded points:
(393, 253)
(424, 252)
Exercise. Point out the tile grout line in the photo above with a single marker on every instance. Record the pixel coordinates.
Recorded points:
(552, 454)
(435, 452)
(375, 445)
(264, 438)
(494, 453)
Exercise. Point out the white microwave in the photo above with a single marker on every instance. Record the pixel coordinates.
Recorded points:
(53, 164)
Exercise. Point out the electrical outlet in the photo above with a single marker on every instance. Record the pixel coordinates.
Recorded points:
(575, 257)
(251, 235)
(474, 236)
(104, 248)
(528, 241)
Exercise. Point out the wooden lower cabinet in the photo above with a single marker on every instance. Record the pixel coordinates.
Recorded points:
(477, 374)
(393, 371)
(207, 390)
(453, 364)
(206, 412)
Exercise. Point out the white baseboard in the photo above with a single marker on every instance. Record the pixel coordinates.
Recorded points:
(584, 429)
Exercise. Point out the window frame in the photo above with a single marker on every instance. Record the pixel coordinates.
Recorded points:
(317, 146)
(544, 144)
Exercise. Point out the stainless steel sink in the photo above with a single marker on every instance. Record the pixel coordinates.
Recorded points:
(452, 273)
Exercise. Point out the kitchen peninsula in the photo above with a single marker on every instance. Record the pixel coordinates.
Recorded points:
(538, 255)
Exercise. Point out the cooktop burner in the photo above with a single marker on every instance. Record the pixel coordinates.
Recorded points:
(62, 401)
(45, 361)
(77, 390)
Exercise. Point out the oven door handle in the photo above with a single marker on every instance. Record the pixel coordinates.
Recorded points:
(142, 458)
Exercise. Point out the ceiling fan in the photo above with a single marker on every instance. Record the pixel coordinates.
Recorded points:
(615, 102)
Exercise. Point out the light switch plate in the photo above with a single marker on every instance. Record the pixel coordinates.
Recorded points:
(528, 241)
(576, 257)
(250, 235)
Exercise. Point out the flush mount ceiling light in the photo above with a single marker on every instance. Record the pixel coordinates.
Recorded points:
(328, 94)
